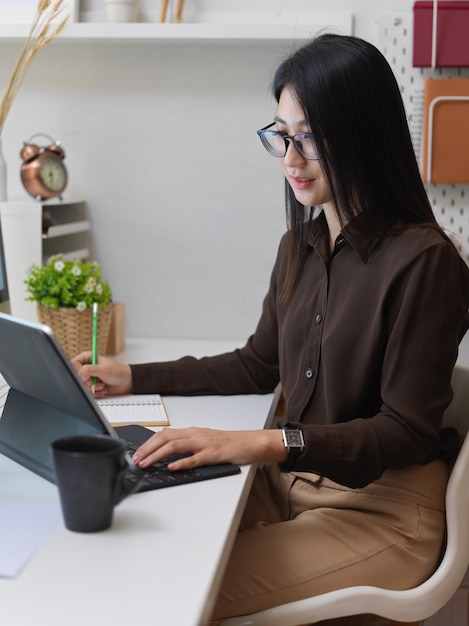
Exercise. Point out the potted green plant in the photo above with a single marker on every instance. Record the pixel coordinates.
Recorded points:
(65, 292)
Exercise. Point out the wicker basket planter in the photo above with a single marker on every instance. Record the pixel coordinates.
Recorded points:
(73, 328)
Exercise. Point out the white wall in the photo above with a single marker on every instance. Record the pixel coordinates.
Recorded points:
(186, 207)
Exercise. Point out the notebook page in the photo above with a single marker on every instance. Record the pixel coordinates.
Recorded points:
(147, 409)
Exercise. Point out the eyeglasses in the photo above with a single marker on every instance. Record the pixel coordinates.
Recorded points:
(275, 142)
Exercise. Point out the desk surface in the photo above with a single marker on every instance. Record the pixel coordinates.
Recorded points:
(161, 561)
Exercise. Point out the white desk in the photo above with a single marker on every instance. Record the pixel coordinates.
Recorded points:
(161, 562)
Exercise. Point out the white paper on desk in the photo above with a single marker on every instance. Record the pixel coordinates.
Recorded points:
(24, 526)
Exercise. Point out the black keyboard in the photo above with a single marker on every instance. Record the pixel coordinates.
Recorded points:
(158, 475)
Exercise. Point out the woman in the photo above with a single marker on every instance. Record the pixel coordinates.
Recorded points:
(367, 304)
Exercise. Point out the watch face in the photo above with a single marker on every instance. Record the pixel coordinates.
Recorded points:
(293, 438)
(53, 174)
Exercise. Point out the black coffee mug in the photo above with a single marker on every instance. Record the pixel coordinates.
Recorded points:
(92, 474)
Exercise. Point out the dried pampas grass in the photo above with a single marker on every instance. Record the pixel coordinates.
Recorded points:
(40, 34)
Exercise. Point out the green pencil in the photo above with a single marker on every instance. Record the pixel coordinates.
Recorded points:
(94, 344)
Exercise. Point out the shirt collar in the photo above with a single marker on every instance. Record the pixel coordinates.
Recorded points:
(355, 235)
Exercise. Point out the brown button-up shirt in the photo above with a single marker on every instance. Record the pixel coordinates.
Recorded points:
(364, 351)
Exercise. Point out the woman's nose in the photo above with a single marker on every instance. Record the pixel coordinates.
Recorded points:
(292, 156)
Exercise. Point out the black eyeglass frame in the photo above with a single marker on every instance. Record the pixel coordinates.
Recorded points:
(292, 138)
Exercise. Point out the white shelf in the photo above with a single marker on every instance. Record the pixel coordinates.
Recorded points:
(58, 230)
(79, 253)
(275, 28)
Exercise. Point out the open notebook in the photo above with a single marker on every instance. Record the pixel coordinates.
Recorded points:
(147, 410)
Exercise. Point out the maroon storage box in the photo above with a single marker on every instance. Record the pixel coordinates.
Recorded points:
(452, 40)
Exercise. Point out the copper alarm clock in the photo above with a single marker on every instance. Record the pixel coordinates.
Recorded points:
(43, 172)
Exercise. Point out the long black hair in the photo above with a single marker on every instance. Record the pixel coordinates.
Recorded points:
(352, 103)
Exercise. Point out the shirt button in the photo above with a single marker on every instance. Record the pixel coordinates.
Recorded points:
(318, 318)
(309, 373)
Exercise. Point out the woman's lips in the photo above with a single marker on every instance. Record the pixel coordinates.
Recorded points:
(302, 183)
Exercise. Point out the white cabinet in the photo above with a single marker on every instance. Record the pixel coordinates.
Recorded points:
(32, 232)
(65, 229)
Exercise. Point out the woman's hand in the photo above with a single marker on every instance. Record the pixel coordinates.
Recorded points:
(112, 378)
(209, 447)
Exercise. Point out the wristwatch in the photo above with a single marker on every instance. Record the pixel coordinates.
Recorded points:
(294, 443)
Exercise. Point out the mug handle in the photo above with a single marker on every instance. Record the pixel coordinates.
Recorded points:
(123, 487)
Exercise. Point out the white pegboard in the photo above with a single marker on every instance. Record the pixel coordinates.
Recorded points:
(450, 202)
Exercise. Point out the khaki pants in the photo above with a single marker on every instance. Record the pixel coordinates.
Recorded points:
(302, 535)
